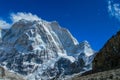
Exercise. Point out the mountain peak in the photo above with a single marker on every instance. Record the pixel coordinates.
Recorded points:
(86, 42)
(40, 48)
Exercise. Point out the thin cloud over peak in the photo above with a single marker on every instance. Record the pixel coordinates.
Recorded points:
(4, 24)
(22, 15)
(16, 17)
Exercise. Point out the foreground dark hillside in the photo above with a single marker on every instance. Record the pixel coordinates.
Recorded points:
(109, 56)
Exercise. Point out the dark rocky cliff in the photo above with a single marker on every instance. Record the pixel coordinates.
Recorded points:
(109, 56)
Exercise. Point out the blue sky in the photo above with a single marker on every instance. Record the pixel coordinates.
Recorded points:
(86, 19)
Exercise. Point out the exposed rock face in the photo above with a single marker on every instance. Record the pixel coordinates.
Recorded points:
(7, 75)
(109, 55)
(43, 50)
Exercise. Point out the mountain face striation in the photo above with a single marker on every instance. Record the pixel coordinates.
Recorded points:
(41, 50)
(109, 56)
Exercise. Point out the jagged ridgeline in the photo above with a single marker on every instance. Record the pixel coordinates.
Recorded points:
(43, 50)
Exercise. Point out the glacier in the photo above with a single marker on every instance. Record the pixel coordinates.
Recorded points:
(42, 50)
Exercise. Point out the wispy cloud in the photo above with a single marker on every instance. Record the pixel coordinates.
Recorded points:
(16, 17)
(4, 24)
(114, 9)
(26, 16)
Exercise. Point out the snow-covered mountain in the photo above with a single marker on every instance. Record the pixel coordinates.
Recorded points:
(41, 50)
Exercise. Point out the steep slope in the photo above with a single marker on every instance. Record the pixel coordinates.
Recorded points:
(43, 50)
(109, 55)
